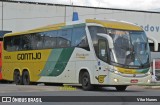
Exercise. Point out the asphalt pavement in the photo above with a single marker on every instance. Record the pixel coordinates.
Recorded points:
(76, 91)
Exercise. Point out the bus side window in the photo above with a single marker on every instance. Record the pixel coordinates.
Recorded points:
(16, 43)
(26, 42)
(33, 42)
(102, 49)
(38, 40)
(7, 43)
(64, 38)
(79, 38)
(50, 39)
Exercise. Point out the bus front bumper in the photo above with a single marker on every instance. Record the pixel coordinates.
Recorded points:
(116, 79)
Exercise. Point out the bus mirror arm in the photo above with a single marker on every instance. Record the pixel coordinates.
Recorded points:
(155, 42)
(109, 39)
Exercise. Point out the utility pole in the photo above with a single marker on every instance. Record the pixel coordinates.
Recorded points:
(2, 15)
(65, 14)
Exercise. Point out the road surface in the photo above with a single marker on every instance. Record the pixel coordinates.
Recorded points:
(42, 90)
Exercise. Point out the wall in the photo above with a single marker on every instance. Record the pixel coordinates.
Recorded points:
(21, 16)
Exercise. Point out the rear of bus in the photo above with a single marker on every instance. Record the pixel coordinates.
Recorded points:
(1, 45)
(1, 48)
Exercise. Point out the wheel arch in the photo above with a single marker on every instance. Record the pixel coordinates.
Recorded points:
(26, 69)
(24, 77)
(81, 71)
(16, 70)
(15, 77)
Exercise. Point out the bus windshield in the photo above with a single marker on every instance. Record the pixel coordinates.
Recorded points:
(130, 47)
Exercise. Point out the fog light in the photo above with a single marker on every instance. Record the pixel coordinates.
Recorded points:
(149, 81)
(148, 73)
(115, 80)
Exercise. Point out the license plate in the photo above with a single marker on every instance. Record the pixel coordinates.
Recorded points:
(134, 80)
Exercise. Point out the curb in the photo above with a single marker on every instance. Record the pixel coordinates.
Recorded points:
(152, 87)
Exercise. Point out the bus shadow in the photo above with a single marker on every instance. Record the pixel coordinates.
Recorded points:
(97, 89)
(111, 89)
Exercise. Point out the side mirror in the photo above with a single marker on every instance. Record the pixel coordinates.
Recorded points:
(154, 41)
(109, 38)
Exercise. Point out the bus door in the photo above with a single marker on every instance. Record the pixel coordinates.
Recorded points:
(103, 59)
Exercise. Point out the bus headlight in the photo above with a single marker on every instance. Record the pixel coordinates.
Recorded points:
(149, 73)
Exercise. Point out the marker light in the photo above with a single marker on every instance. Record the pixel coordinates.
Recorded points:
(75, 16)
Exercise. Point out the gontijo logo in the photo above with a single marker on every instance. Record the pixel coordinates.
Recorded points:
(29, 56)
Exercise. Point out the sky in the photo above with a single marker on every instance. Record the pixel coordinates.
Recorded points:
(120, 4)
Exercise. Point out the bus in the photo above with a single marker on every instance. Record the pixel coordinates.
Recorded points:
(90, 52)
(2, 32)
(1, 44)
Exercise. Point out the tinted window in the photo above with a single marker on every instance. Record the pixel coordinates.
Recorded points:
(26, 42)
(64, 38)
(102, 50)
(79, 38)
(50, 39)
(93, 32)
(7, 43)
(12, 43)
(71, 37)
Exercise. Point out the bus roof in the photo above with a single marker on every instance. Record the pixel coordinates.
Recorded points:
(105, 23)
(116, 24)
(41, 29)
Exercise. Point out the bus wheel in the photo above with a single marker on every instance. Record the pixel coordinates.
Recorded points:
(121, 87)
(85, 80)
(17, 78)
(26, 78)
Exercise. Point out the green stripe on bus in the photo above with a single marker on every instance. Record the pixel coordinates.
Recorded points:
(71, 26)
(62, 61)
(143, 70)
(51, 62)
(57, 62)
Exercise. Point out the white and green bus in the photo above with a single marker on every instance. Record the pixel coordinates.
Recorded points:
(91, 52)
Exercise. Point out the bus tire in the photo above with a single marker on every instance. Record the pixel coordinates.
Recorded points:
(121, 87)
(85, 80)
(33, 83)
(17, 78)
(26, 78)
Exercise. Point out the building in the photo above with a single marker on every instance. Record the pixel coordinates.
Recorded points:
(19, 16)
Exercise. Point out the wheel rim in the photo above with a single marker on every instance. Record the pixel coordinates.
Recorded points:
(17, 78)
(26, 79)
(85, 81)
